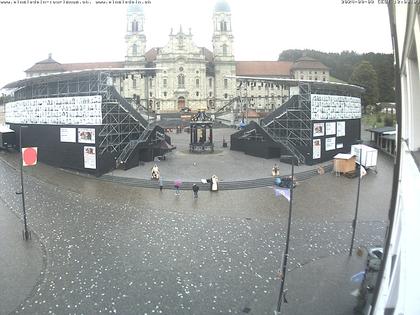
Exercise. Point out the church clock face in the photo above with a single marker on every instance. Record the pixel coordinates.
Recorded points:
(181, 69)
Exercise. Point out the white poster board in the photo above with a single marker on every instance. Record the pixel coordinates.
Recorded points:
(341, 128)
(68, 135)
(89, 157)
(339, 145)
(318, 129)
(316, 148)
(332, 107)
(77, 110)
(329, 144)
(86, 135)
(330, 128)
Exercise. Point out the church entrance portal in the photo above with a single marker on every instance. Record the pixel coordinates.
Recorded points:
(181, 102)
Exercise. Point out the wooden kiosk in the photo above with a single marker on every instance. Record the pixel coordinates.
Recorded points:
(344, 163)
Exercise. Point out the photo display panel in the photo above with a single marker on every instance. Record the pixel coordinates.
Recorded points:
(331, 107)
(79, 110)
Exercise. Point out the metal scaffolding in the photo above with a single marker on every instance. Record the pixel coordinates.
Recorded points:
(291, 124)
(122, 126)
(76, 84)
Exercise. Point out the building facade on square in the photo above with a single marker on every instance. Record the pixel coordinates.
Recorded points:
(185, 75)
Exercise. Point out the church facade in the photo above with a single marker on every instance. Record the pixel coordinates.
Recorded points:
(183, 75)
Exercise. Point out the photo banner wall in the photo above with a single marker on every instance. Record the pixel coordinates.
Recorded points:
(78, 110)
(334, 107)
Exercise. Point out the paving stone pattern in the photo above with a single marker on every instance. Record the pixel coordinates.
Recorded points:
(128, 250)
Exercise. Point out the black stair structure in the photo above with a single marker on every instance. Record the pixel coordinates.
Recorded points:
(125, 131)
(150, 137)
(285, 131)
(118, 135)
(290, 124)
(229, 105)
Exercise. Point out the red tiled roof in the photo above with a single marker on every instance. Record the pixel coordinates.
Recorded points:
(263, 68)
(47, 65)
(92, 65)
(151, 54)
(308, 63)
(57, 67)
(252, 114)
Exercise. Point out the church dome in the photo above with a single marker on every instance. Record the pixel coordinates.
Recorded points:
(222, 6)
(135, 8)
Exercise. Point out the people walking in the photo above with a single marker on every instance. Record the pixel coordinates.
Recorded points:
(177, 185)
(214, 183)
(155, 172)
(195, 189)
(161, 183)
(275, 171)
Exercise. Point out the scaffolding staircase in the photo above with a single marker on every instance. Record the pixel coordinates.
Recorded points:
(123, 128)
(228, 105)
(132, 146)
(120, 125)
(290, 124)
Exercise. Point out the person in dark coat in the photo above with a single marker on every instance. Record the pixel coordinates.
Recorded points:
(161, 183)
(195, 189)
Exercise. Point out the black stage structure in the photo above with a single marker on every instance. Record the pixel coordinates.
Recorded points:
(319, 120)
(79, 121)
(199, 142)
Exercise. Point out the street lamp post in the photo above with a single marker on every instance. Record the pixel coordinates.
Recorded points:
(26, 234)
(357, 201)
(286, 252)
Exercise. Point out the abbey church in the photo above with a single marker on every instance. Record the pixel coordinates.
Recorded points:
(184, 75)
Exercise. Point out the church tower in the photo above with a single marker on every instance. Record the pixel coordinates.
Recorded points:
(135, 38)
(224, 60)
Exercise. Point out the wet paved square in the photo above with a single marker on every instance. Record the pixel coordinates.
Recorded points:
(118, 249)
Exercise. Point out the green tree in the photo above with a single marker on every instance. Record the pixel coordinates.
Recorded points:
(342, 65)
(364, 75)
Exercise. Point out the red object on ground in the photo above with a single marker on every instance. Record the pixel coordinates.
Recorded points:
(29, 156)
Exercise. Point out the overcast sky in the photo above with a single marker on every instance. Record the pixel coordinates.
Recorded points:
(261, 29)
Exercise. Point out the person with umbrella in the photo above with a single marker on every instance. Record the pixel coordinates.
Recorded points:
(177, 185)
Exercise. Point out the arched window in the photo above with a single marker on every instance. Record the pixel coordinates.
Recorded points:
(181, 81)
(224, 49)
(197, 83)
(134, 50)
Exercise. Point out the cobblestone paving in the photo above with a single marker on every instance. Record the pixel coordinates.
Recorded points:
(126, 250)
